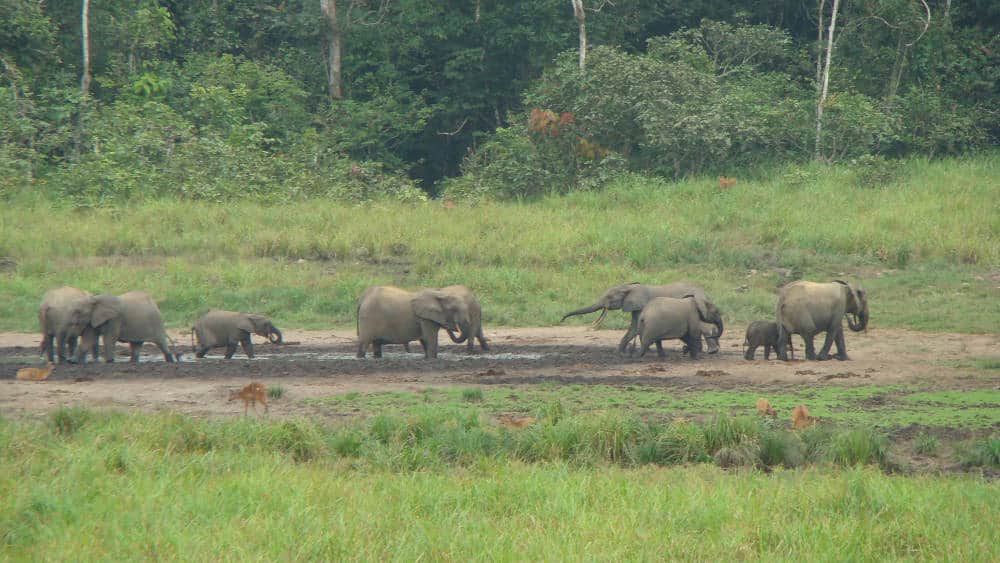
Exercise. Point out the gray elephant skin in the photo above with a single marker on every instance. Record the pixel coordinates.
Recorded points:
(809, 308)
(633, 297)
(53, 319)
(474, 330)
(227, 329)
(131, 317)
(666, 318)
(763, 333)
(390, 315)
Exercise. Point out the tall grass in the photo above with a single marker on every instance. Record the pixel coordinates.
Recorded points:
(130, 487)
(934, 230)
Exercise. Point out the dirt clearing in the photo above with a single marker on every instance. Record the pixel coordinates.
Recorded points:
(322, 363)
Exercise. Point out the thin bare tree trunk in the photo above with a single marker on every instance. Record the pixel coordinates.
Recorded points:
(819, 46)
(334, 39)
(826, 78)
(896, 75)
(85, 25)
(581, 19)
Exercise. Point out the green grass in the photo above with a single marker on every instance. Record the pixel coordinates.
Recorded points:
(886, 406)
(924, 248)
(128, 487)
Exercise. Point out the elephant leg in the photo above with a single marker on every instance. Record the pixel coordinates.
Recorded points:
(200, 352)
(482, 340)
(164, 347)
(767, 351)
(824, 352)
(48, 341)
(362, 348)
(659, 349)
(406, 347)
(247, 344)
(135, 348)
(810, 348)
(377, 349)
(60, 348)
(694, 346)
(841, 346)
(751, 352)
(108, 350)
(230, 350)
(644, 347)
(633, 330)
(70, 345)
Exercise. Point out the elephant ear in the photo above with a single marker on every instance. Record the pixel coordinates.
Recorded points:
(427, 305)
(104, 311)
(245, 323)
(852, 292)
(635, 299)
(260, 324)
(700, 305)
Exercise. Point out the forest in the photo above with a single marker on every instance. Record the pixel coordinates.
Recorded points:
(107, 102)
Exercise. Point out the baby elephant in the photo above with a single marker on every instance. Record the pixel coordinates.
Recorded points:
(665, 318)
(763, 333)
(218, 329)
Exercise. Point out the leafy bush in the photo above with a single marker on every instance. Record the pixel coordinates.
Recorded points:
(983, 453)
(860, 446)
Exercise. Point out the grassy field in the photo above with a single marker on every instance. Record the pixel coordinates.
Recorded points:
(926, 244)
(83, 486)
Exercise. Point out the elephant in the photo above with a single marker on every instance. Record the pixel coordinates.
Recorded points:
(229, 328)
(632, 297)
(474, 330)
(763, 333)
(807, 308)
(666, 318)
(53, 317)
(390, 315)
(132, 317)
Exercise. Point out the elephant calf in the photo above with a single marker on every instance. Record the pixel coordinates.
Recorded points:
(217, 329)
(665, 318)
(474, 329)
(764, 333)
(53, 319)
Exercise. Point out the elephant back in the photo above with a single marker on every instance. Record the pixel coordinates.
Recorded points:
(142, 319)
(55, 305)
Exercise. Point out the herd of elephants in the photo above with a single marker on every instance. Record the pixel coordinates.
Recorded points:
(73, 321)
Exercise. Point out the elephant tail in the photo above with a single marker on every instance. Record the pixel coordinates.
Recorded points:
(193, 348)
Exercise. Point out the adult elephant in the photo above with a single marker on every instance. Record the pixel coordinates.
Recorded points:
(474, 330)
(632, 297)
(228, 329)
(53, 317)
(808, 308)
(390, 315)
(666, 318)
(131, 317)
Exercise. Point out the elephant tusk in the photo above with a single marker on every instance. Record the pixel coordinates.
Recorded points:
(600, 319)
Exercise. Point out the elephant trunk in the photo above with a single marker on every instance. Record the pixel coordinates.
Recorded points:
(587, 311)
(464, 333)
(858, 322)
(718, 326)
(274, 335)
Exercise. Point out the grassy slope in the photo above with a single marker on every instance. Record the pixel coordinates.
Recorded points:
(160, 487)
(926, 248)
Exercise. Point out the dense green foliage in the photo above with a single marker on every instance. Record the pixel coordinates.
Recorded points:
(87, 485)
(228, 99)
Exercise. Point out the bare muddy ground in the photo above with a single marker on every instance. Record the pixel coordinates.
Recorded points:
(322, 363)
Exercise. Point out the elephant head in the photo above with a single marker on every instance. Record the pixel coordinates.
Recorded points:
(92, 316)
(444, 310)
(627, 297)
(857, 307)
(262, 326)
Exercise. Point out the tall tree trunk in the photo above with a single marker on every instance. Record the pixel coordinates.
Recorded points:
(826, 78)
(85, 26)
(819, 46)
(334, 39)
(896, 75)
(581, 19)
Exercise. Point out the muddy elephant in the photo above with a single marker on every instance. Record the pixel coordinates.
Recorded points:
(217, 329)
(666, 318)
(53, 317)
(632, 297)
(474, 330)
(131, 317)
(390, 315)
(763, 333)
(808, 308)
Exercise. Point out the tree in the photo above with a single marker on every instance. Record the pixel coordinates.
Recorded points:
(581, 21)
(334, 35)
(85, 34)
(825, 79)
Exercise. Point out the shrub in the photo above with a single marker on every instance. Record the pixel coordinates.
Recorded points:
(726, 431)
(275, 392)
(984, 453)
(299, 438)
(69, 420)
(472, 395)
(859, 446)
(782, 448)
(926, 444)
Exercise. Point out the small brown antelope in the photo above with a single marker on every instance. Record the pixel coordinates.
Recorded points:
(252, 393)
(764, 408)
(513, 421)
(35, 374)
(726, 183)
(801, 418)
